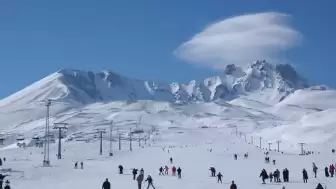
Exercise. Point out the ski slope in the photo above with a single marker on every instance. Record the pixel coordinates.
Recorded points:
(190, 153)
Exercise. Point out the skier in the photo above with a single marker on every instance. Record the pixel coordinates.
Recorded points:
(174, 170)
(134, 172)
(166, 170)
(179, 170)
(273, 161)
(0, 162)
(219, 176)
(233, 185)
(326, 172)
(213, 171)
(319, 186)
(235, 156)
(161, 171)
(315, 169)
(106, 184)
(171, 160)
(150, 181)
(305, 176)
(332, 170)
(1, 179)
(121, 169)
(139, 180)
(264, 176)
(76, 165)
(82, 165)
(7, 185)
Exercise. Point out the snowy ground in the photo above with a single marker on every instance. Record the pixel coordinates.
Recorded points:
(190, 154)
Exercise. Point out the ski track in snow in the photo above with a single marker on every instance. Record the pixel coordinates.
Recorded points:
(194, 160)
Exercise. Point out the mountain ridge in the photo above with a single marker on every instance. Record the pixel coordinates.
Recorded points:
(86, 86)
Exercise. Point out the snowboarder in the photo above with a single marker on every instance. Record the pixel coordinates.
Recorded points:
(121, 169)
(326, 172)
(166, 170)
(264, 175)
(150, 181)
(174, 171)
(139, 180)
(161, 171)
(106, 184)
(76, 165)
(213, 171)
(332, 170)
(1, 179)
(233, 185)
(315, 169)
(305, 176)
(134, 172)
(219, 176)
(319, 186)
(179, 171)
(171, 160)
(82, 165)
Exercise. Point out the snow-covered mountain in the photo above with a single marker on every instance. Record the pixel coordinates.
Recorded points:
(273, 101)
(87, 87)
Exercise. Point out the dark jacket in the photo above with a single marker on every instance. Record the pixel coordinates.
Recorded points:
(149, 179)
(106, 185)
(233, 186)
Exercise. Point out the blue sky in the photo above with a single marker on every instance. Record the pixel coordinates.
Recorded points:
(137, 38)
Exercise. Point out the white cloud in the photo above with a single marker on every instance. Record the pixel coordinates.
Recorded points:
(241, 39)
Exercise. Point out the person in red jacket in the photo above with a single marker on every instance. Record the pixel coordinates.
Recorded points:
(166, 170)
(174, 171)
(332, 170)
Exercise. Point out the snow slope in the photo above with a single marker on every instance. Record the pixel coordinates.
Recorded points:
(190, 153)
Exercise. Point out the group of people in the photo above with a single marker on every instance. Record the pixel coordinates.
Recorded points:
(81, 164)
(174, 170)
(139, 178)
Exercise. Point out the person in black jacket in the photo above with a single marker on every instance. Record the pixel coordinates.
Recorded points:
(134, 172)
(106, 184)
(305, 176)
(219, 176)
(2, 179)
(233, 185)
(264, 175)
(319, 186)
(150, 182)
(179, 171)
(121, 169)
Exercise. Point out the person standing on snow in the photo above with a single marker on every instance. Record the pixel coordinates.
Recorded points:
(161, 171)
(219, 176)
(121, 169)
(233, 185)
(171, 160)
(174, 171)
(315, 169)
(142, 172)
(0, 162)
(166, 170)
(134, 172)
(264, 176)
(179, 171)
(305, 176)
(76, 165)
(150, 182)
(213, 171)
(139, 180)
(326, 172)
(106, 184)
(82, 165)
(271, 177)
(332, 170)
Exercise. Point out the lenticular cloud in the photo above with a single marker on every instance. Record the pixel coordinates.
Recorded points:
(241, 39)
